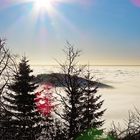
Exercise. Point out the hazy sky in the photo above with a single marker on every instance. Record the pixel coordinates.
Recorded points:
(107, 31)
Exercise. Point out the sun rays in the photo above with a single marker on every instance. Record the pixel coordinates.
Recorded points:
(42, 15)
(43, 5)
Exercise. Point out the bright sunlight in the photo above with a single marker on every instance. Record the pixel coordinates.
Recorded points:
(45, 5)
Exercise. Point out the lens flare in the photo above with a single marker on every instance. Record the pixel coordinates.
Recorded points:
(43, 99)
(136, 2)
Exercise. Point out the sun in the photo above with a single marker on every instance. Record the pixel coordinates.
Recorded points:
(43, 5)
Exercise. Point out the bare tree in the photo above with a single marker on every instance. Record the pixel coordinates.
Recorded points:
(7, 69)
(77, 94)
(7, 65)
(132, 127)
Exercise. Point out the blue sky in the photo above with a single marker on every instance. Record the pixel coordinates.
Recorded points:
(107, 31)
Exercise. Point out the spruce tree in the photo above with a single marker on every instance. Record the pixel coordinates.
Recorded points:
(20, 100)
(82, 108)
(90, 106)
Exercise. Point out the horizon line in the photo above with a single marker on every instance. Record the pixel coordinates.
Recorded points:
(81, 64)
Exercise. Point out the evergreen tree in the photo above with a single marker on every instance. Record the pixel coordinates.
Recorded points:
(81, 105)
(91, 106)
(21, 102)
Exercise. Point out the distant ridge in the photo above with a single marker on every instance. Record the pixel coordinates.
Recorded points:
(53, 79)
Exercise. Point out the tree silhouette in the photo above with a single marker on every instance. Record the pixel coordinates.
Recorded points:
(7, 68)
(81, 107)
(132, 127)
(20, 100)
(91, 106)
